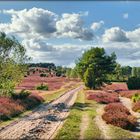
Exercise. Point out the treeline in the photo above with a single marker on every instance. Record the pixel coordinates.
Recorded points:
(43, 65)
(123, 73)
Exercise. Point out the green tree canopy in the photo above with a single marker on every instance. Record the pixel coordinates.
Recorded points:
(98, 64)
(12, 62)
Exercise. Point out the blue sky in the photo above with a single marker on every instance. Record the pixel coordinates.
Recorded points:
(116, 28)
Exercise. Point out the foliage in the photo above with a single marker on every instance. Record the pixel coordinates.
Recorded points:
(103, 97)
(100, 63)
(43, 75)
(42, 87)
(9, 108)
(23, 94)
(43, 65)
(32, 101)
(21, 101)
(118, 115)
(135, 72)
(133, 83)
(136, 97)
(12, 63)
(121, 73)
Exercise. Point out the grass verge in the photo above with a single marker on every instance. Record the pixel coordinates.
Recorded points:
(71, 127)
(92, 132)
(119, 133)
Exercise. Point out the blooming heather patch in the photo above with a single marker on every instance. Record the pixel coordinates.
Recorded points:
(118, 115)
(116, 107)
(30, 82)
(129, 93)
(12, 107)
(9, 108)
(103, 97)
(116, 87)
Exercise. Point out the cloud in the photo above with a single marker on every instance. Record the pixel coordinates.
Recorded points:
(97, 25)
(134, 35)
(38, 45)
(35, 22)
(125, 15)
(41, 23)
(115, 34)
(64, 54)
(71, 25)
(36, 26)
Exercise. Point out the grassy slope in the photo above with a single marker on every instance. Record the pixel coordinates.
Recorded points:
(71, 128)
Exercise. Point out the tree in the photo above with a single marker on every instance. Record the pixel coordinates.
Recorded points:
(12, 63)
(100, 65)
(74, 73)
(118, 72)
(89, 78)
(134, 72)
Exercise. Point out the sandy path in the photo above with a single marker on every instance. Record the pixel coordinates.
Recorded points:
(104, 128)
(43, 122)
(128, 103)
(84, 125)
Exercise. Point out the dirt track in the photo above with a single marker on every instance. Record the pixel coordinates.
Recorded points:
(43, 122)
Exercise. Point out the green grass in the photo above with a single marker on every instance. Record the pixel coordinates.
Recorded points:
(71, 127)
(92, 132)
(119, 133)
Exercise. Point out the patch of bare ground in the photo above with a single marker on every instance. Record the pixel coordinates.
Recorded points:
(43, 122)
(84, 125)
(104, 128)
(128, 103)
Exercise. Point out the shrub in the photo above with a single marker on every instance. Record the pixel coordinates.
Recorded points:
(136, 107)
(116, 107)
(128, 93)
(32, 101)
(9, 108)
(133, 83)
(42, 87)
(43, 75)
(104, 97)
(21, 95)
(136, 97)
(118, 115)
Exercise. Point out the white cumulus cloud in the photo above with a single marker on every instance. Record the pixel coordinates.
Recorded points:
(97, 25)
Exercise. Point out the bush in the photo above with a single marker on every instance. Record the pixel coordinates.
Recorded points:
(116, 107)
(9, 108)
(136, 97)
(118, 115)
(133, 83)
(21, 95)
(42, 87)
(43, 75)
(128, 93)
(103, 97)
(136, 107)
(32, 101)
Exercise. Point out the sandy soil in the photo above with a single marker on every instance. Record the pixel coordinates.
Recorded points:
(104, 128)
